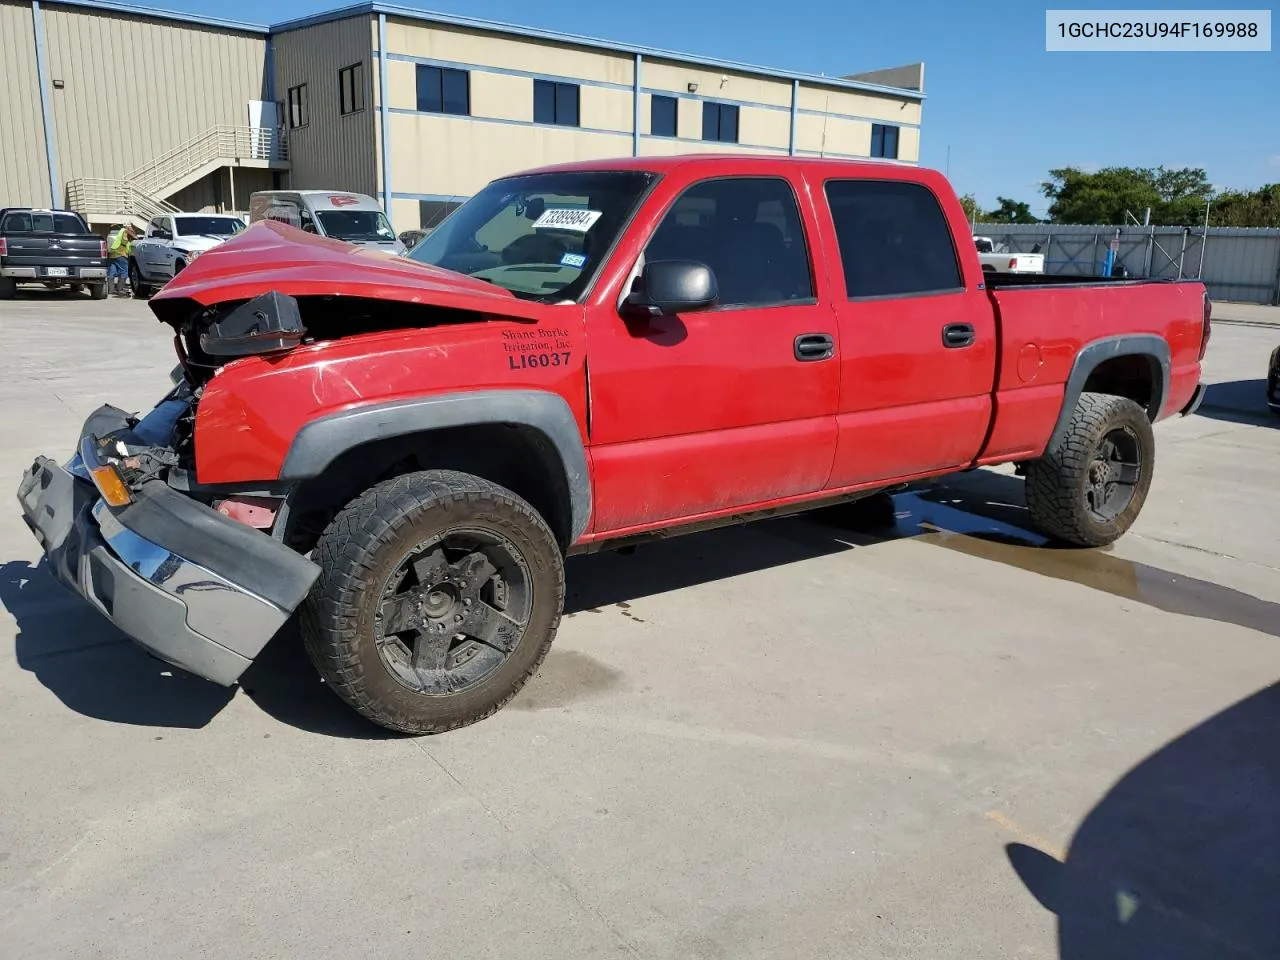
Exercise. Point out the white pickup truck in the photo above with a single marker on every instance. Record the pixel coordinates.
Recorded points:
(173, 241)
(1003, 261)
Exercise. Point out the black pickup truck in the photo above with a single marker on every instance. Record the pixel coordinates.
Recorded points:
(51, 247)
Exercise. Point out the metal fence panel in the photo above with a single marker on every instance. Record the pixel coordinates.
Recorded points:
(1235, 263)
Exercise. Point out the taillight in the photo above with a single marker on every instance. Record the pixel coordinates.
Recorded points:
(1013, 263)
(102, 248)
(1208, 326)
(4, 247)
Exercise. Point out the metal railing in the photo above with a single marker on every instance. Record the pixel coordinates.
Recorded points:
(217, 143)
(137, 195)
(114, 198)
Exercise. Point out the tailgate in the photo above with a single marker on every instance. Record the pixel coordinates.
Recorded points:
(69, 251)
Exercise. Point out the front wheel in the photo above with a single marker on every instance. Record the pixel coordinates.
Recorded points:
(140, 289)
(438, 598)
(1090, 486)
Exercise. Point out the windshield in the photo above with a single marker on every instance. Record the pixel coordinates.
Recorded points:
(543, 236)
(207, 226)
(356, 225)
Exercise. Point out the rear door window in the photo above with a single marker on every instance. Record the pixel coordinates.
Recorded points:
(894, 239)
(748, 231)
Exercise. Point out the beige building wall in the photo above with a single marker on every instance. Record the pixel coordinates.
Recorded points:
(456, 45)
(856, 104)
(109, 119)
(24, 171)
(673, 77)
(223, 191)
(447, 156)
(332, 151)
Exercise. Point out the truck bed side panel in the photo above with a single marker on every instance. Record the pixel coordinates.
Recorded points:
(1043, 328)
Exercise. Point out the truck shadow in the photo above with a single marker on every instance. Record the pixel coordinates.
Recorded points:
(1179, 859)
(1239, 401)
(92, 668)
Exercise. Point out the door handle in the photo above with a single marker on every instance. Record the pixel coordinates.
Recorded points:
(814, 346)
(958, 335)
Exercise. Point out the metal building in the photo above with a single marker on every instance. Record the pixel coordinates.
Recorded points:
(419, 109)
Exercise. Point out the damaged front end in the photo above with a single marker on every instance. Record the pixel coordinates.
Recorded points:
(169, 566)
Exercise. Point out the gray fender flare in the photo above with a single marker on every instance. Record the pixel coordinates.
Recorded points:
(322, 441)
(1093, 355)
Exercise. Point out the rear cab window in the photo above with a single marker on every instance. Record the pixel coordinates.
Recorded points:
(41, 222)
(894, 239)
(749, 231)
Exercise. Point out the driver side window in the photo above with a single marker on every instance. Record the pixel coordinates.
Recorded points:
(748, 231)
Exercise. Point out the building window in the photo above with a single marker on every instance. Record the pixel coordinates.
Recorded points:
(884, 141)
(555, 103)
(298, 106)
(351, 89)
(443, 90)
(720, 122)
(431, 213)
(662, 116)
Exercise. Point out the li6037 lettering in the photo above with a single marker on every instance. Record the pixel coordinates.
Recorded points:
(525, 361)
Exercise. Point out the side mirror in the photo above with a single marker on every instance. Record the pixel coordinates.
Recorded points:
(667, 287)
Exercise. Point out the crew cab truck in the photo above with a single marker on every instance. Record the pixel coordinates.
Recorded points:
(405, 449)
(171, 242)
(54, 248)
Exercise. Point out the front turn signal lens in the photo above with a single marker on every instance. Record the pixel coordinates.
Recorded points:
(111, 485)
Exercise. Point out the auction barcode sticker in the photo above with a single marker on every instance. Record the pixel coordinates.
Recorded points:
(1158, 30)
(567, 218)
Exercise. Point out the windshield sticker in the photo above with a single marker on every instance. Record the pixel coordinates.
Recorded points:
(566, 218)
(578, 260)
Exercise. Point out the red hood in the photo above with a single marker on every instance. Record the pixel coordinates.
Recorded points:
(275, 256)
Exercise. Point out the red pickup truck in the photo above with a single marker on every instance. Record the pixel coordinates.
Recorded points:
(580, 357)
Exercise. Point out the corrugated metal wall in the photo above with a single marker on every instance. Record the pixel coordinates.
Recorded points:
(24, 175)
(135, 88)
(332, 151)
(1235, 263)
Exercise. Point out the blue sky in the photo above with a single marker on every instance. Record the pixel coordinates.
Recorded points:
(1008, 110)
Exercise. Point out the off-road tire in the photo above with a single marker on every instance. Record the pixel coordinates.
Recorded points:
(1056, 483)
(97, 291)
(362, 547)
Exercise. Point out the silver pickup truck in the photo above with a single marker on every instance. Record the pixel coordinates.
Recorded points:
(172, 242)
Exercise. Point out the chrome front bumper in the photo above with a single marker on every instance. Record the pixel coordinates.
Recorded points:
(210, 622)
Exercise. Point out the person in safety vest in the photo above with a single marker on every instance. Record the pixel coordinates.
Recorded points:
(119, 244)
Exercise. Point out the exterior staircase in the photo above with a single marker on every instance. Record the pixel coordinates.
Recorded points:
(141, 195)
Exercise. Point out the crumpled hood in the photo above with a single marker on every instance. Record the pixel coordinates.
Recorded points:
(275, 256)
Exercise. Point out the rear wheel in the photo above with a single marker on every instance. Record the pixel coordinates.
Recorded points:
(8, 287)
(98, 291)
(1090, 486)
(439, 596)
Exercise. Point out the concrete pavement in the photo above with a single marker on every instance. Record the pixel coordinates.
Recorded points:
(784, 740)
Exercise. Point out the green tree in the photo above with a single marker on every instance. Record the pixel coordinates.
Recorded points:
(1238, 208)
(970, 204)
(1011, 211)
(1175, 197)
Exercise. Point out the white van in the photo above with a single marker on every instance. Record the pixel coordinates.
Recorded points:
(352, 217)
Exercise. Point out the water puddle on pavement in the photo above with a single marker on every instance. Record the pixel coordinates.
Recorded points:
(565, 676)
(956, 529)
